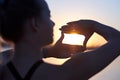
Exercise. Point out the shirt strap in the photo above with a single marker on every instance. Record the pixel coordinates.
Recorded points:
(29, 73)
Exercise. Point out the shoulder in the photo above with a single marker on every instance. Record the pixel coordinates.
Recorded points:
(88, 64)
(44, 72)
(78, 66)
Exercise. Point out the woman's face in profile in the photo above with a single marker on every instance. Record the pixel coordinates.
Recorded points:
(46, 24)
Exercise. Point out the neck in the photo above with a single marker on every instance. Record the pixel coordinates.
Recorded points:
(27, 52)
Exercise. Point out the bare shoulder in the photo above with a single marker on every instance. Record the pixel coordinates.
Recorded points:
(49, 71)
(78, 66)
(87, 64)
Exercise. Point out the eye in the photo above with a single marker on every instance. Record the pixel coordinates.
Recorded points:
(49, 15)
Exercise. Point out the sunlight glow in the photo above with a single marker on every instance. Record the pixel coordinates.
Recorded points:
(55, 61)
(74, 39)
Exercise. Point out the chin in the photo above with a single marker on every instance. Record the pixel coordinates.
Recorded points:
(48, 41)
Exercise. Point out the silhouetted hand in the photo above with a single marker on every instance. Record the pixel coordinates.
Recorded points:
(58, 50)
(84, 27)
(81, 26)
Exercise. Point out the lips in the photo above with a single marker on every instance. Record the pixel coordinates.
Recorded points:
(52, 32)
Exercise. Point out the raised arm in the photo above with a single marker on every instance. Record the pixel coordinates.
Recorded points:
(85, 65)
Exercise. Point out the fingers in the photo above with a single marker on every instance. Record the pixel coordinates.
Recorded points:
(60, 39)
(72, 22)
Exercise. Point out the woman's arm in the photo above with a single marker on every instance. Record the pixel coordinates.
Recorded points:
(85, 65)
(58, 50)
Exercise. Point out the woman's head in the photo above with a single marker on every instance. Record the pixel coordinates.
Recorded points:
(15, 13)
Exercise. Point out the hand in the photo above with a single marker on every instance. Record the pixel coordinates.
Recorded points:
(59, 50)
(66, 50)
(85, 27)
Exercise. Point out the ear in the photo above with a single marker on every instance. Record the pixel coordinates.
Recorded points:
(34, 24)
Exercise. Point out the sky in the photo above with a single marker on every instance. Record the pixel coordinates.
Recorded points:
(104, 11)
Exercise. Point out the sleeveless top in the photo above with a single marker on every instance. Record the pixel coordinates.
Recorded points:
(29, 74)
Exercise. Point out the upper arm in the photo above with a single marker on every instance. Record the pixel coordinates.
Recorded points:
(85, 65)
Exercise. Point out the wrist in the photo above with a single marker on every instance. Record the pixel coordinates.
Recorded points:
(107, 32)
(45, 53)
(49, 52)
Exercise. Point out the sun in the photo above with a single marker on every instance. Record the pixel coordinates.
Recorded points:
(73, 39)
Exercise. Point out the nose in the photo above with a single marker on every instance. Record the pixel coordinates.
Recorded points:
(53, 23)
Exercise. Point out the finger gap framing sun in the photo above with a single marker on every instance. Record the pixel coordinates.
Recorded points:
(73, 39)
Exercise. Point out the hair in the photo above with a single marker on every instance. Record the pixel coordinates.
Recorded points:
(13, 14)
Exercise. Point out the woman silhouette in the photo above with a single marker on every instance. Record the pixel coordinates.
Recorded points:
(28, 25)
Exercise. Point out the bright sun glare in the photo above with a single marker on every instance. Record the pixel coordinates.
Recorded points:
(73, 39)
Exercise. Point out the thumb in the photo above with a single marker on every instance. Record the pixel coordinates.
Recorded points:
(60, 39)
